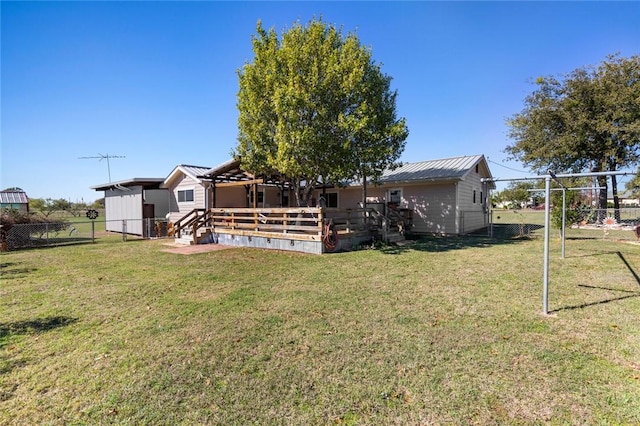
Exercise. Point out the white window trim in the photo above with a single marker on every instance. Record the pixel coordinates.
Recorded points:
(388, 194)
(178, 190)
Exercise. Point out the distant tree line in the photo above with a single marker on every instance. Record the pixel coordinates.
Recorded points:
(48, 206)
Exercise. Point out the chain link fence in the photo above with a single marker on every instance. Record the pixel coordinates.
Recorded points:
(621, 224)
(57, 233)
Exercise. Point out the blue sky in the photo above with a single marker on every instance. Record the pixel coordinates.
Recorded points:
(156, 81)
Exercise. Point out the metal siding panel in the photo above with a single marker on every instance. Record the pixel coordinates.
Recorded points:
(159, 198)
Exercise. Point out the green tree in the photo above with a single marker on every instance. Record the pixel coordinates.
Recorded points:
(316, 108)
(36, 204)
(77, 209)
(46, 207)
(572, 201)
(634, 185)
(516, 193)
(589, 120)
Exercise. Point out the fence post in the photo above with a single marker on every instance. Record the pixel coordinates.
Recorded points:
(124, 229)
(93, 231)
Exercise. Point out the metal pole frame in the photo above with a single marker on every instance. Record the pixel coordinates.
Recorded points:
(547, 178)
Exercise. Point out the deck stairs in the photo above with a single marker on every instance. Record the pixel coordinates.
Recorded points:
(390, 227)
(192, 227)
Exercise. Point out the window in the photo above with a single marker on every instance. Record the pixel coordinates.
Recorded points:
(185, 196)
(260, 197)
(474, 196)
(395, 196)
(331, 199)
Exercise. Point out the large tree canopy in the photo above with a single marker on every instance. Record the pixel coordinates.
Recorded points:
(314, 107)
(588, 120)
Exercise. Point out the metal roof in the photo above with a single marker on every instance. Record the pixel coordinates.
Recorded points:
(13, 197)
(445, 169)
(147, 183)
(194, 171)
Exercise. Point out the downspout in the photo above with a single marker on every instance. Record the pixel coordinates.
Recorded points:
(457, 209)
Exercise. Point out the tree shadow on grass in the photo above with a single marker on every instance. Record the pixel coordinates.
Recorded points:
(628, 293)
(8, 270)
(600, 253)
(9, 359)
(35, 326)
(600, 302)
(448, 243)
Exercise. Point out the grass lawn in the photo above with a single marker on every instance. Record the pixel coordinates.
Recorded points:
(438, 331)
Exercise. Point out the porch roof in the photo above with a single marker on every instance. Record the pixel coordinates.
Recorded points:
(230, 172)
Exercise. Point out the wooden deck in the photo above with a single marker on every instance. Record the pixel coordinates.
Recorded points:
(310, 230)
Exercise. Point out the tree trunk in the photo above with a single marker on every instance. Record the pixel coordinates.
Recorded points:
(602, 198)
(616, 199)
(364, 192)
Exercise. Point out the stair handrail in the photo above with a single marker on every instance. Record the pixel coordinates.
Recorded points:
(200, 221)
(186, 221)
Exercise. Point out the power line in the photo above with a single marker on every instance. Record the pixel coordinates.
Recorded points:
(506, 167)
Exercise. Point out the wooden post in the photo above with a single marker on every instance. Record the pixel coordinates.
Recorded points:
(320, 221)
(348, 220)
(285, 222)
(195, 230)
(255, 195)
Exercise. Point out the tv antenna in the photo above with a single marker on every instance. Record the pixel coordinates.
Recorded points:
(101, 157)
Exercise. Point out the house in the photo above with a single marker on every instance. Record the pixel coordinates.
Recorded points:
(132, 205)
(445, 196)
(187, 190)
(626, 199)
(14, 199)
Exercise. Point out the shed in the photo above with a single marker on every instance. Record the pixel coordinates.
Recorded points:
(132, 205)
(14, 199)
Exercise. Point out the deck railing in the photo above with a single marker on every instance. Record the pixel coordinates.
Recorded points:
(301, 223)
(298, 223)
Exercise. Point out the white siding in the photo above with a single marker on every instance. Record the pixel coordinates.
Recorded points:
(178, 210)
(434, 207)
(472, 212)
